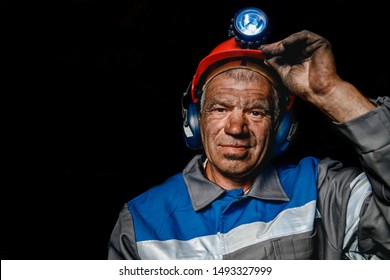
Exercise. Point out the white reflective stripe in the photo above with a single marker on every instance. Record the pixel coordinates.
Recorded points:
(291, 221)
(361, 188)
(200, 248)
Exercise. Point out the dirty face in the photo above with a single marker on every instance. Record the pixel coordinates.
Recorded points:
(235, 122)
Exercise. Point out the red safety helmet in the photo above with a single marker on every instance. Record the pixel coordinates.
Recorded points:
(225, 53)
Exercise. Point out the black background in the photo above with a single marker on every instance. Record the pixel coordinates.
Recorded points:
(91, 100)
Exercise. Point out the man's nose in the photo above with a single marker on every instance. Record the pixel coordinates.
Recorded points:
(236, 123)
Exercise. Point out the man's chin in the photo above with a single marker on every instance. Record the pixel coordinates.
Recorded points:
(236, 156)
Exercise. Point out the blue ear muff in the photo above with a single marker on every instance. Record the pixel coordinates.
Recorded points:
(191, 128)
(284, 133)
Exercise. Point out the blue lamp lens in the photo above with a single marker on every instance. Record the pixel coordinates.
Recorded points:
(251, 22)
(250, 27)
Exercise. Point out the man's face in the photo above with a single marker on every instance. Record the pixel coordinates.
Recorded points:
(235, 122)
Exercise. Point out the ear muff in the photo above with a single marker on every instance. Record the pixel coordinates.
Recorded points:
(191, 130)
(284, 133)
(285, 127)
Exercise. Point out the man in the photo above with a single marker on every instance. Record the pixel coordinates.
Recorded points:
(234, 200)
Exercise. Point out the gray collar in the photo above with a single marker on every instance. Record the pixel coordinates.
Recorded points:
(202, 191)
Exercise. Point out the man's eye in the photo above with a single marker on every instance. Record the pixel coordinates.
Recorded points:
(220, 110)
(257, 113)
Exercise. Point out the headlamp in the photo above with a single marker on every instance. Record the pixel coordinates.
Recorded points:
(248, 30)
(249, 27)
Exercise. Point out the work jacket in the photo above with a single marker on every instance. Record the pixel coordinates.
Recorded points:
(312, 209)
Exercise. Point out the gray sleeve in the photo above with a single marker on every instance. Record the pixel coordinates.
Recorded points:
(334, 181)
(368, 187)
(370, 134)
(122, 245)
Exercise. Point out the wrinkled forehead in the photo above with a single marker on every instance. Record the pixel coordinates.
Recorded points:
(237, 84)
